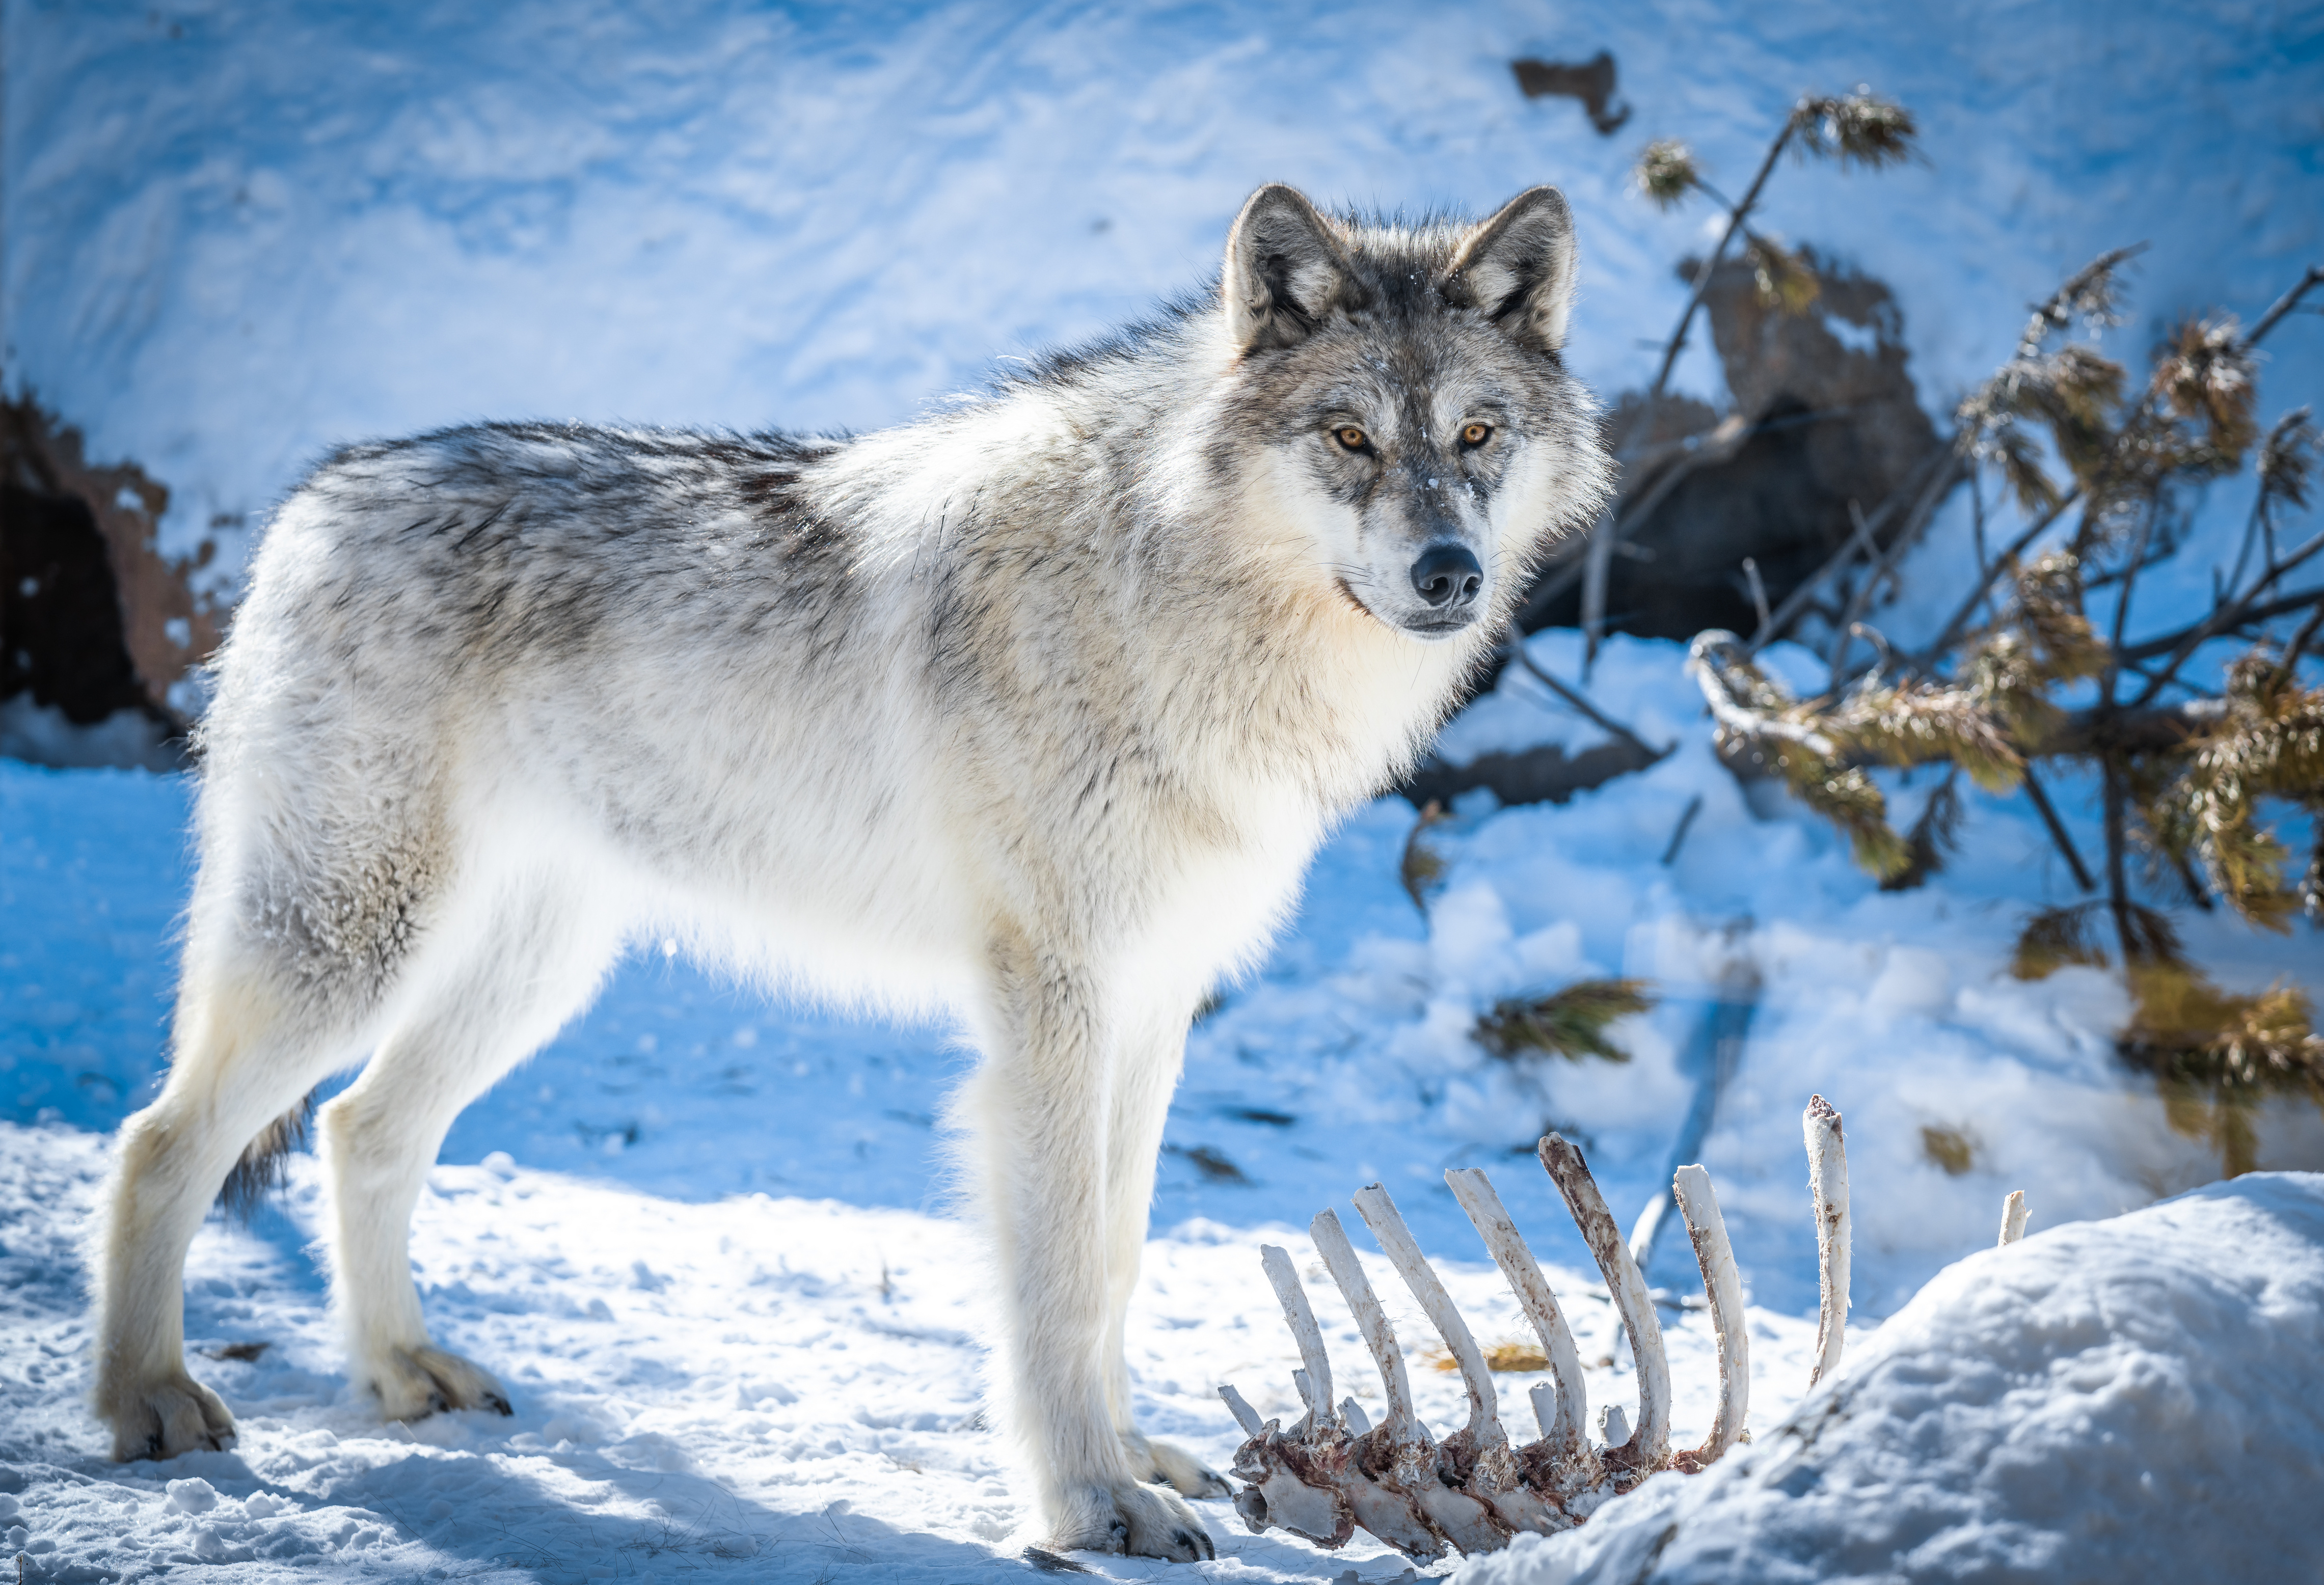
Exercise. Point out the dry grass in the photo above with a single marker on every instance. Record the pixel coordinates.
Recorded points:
(1516, 1359)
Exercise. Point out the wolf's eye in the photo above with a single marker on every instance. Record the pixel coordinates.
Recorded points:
(1472, 436)
(1350, 437)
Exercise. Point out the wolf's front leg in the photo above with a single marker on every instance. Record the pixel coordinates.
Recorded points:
(1040, 1109)
(1149, 1058)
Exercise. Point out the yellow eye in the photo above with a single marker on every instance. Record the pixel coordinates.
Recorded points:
(1475, 435)
(1348, 436)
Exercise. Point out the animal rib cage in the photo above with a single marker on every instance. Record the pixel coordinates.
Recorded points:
(1334, 1473)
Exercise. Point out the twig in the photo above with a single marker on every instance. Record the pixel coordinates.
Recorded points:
(1759, 598)
(2043, 806)
(2300, 640)
(1678, 837)
(2222, 618)
(1567, 562)
(2286, 303)
(1951, 632)
(2113, 674)
(2117, 842)
(1702, 663)
(1953, 628)
(1976, 523)
(1908, 532)
(1596, 567)
(2200, 894)
(1735, 216)
(2150, 647)
(1797, 601)
(1597, 717)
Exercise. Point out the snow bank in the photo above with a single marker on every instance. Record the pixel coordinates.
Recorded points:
(2132, 1399)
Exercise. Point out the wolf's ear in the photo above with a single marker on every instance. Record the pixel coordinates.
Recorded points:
(1284, 269)
(1518, 268)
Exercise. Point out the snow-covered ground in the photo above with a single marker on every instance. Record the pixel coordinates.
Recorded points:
(2119, 1400)
(704, 1239)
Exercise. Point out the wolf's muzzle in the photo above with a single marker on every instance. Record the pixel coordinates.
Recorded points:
(1447, 577)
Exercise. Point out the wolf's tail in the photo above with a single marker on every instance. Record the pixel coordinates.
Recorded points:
(260, 1169)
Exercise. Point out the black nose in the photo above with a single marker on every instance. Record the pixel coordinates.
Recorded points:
(1447, 575)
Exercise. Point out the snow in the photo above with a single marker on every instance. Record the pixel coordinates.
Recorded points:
(239, 232)
(704, 1239)
(2120, 1399)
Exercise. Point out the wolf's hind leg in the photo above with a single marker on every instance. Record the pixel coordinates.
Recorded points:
(535, 965)
(243, 1053)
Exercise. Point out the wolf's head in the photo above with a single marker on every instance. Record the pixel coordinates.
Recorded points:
(1397, 395)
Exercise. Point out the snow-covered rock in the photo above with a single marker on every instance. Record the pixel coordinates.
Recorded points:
(2130, 1400)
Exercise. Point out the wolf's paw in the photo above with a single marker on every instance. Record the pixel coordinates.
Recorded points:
(1176, 1467)
(1143, 1520)
(413, 1384)
(176, 1414)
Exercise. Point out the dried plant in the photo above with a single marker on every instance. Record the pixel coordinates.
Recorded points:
(1857, 129)
(2054, 938)
(1572, 1023)
(2205, 373)
(2286, 459)
(1785, 280)
(1933, 838)
(1949, 1149)
(1423, 870)
(1666, 171)
(1511, 1359)
(2218, 1056)
(2267, 740)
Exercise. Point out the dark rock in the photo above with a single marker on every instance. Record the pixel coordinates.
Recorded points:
(1592, 82)
(1822, 417)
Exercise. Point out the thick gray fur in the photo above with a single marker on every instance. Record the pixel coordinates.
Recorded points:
(1031, 713)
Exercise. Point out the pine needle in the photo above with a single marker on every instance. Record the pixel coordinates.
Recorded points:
(1570, 1023)
(1785, 280)
(1666, 171)
(2205, 374)
(1857, 129)
(2286, 459)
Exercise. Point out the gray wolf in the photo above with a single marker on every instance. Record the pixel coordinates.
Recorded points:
(1031, 713)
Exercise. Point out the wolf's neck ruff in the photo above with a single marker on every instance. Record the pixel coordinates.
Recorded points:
(1033, 711)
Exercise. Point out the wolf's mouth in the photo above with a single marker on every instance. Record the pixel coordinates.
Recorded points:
(1436, 626)
(1432, 628)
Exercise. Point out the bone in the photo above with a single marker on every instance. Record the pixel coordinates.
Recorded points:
(1561, 1429)
(1316, 1381)
(2013, 1217)
(1245, 1416)
(1352, 1413)
(1828, 1187)
(1690, 1186)
(1405, 1503)
(1304, 1386)
(1547, 1401)
(1648, 1448)
(1379, 1214)
(1371, 1320)
(1477, 1456)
